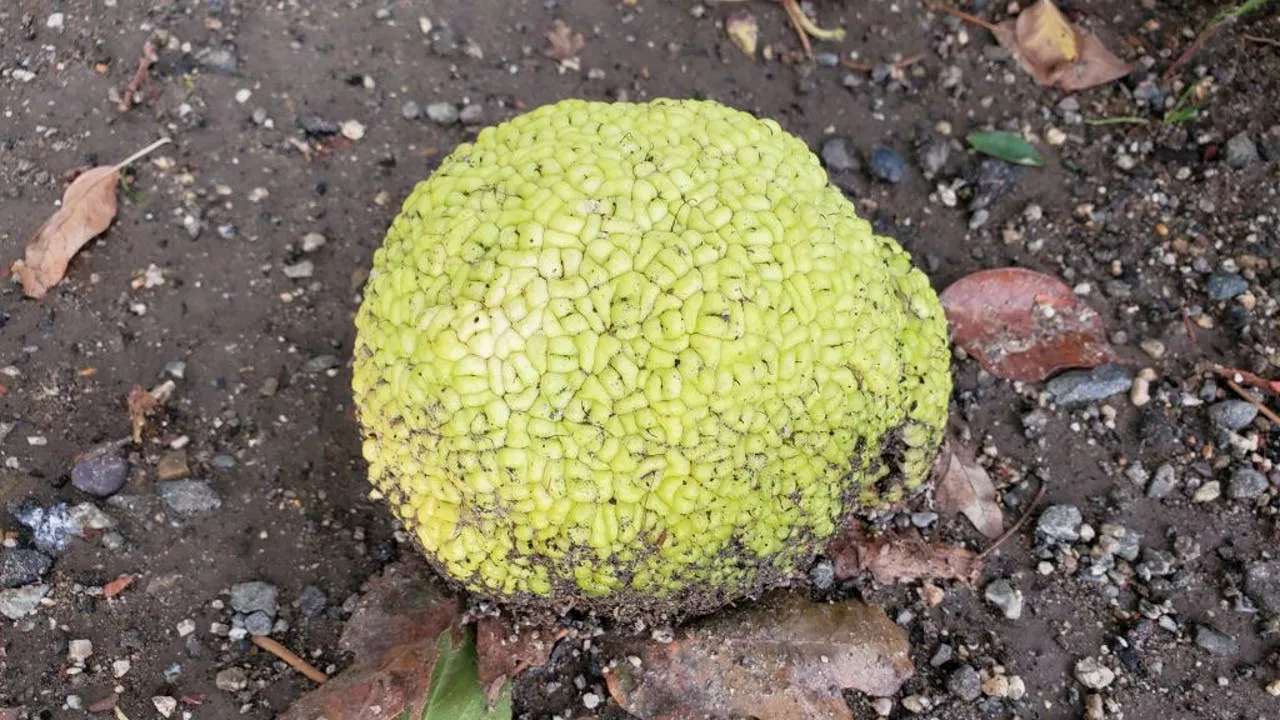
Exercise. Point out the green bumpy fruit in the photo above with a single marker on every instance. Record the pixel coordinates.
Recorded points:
(628, 356)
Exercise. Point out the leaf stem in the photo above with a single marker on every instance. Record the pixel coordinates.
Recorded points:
(143, 153)
(289, 657)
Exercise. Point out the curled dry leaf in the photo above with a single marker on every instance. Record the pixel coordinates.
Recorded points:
(895, 557)
(964, 487)
(744, 31)
(785, 658)
(88, 207)
(1023, 325)
(142, 404)
(1057, 52)
(401, 606)
(563, 41)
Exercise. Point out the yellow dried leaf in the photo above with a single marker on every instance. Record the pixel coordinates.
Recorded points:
(1045, 36)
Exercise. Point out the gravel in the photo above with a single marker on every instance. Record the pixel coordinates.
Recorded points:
(221, 60)
(992, 180)
(300, 270)
(312, 601)
(1060, 523)
(189, 497)
(22, 566)
(1093, 674)
(410, 110)
(1214, 640)
(1262, 585)
(1246, 484)
(1232, 414)
(839, 155)
(20, 602)
(101, 475)
(1224, 286)
(1241, 151)
(887, 165)
(1006, 597)
(255, 596)
(1207, 492)
(1163, 483)
(313, 241)
(258, 623)
(231, 680)
(1081, 387)
(443, 113)
(965, 683)
(933, 156)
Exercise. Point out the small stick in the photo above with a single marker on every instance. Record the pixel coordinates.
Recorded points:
(142, 153)
(1258, 39)
(792, 9)
(1266, 411)
(972, 19)
(293, 661)
(1017, 525)
(1246, 377)
(1191, 51)
(149, 58)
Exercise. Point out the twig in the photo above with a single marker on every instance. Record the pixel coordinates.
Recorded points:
(142, 153)
(1246, 377)
(790, 7)
(1017, 525)
(1122, 120)
(293, 661)
(1259, 39)
(149, 58)
(972, 19)
(1186, 323)
(1221, 20)
(1266, 411)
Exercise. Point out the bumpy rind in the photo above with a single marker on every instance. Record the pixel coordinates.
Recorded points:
(617, 354)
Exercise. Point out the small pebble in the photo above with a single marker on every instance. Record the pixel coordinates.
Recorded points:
(312, 601)
(101, 474)
(1060, 523)
(1153, 347)
(1224, 286)
(1007, 598)
(300, 270)
(839, 155)
(1163, 482)
(472, 114)
(410, 110)
(1214, 640)
(1054, 136)
(20, 602)
(312, 242)
(1208, 492)
(1246, 484)
(22, 566)
(590, 701)
(255, 596)
(79, 650)
(884, 706)
(1081, 387)
(965, 683)
(231, 680)
(1093, 674)
(1241, 151)
(351, 129)
(887, 165)
(1232, 414)
(443, 113)
(258, 623)
(164, 704)
(822, 574)
(933, 156)
(1262, 584)
(189, 497)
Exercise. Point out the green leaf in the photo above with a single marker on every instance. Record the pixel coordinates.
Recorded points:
(455, 684)
(1006, 146)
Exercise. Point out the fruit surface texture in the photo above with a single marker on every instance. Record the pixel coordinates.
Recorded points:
(640, 356)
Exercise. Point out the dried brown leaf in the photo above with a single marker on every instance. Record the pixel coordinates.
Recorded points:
(744, 31)
(400, 607)
(88, 207)
(563, 41)
(892, 558)
(117, 586)
(1023, 325)
(141, 404)
(503, 652)
(964, 487)
(1057, 52)
(785, 659)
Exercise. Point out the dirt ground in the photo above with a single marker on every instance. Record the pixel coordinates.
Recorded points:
(254, 325)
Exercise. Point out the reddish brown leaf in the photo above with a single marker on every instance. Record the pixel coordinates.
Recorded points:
(1023, 325)
(563, 41)
(88, 207)
(785, 659)
(1057, 52)
(117, 586)
(393, 636)
(400, 607)
(892, 558)
(502, 652)
(964, 487)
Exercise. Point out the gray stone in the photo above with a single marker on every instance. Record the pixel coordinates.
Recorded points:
(1060, 523)
(887, 165)
(1232, 414)
(320, 363)
(1156, 563)
(965, 683)
(410, 110)
(1224, 286)
(22, 566)
(1005, 596)
(223, 462)
(1164, 482)
(51, 528)
(942, 655)
(827, 59)
(933, 156)
(472, 114)
(189, 497)
(312, 601)
(443, 113)
(231, 680)
(313, 124)
(1246, 484)
(839, 155)
(924, 519)
(300, 270)
(1214, 640)
(101, 474)
(1093, 674)
(220, 60)
(1241, 151)
(1081, 387)
(20, 602)
(255, 596)
(258, 623)
(822, 574)
(1262, 584)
